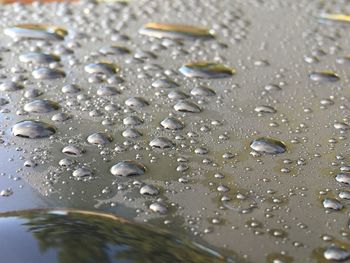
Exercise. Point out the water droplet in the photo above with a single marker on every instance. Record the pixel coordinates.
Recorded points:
(177, 95)
(164, 84)
(149, 190)
(161, 142)
(336, 253)
(331, 203)
(187, 106)
(6, 192)
(175, 31)
(265, 109)
(136, 102)
(329, 76)
(82, 172)
(158, 208)
(102, 68)
(132, 121)
(48, 73)
(41, 106)
(341, 126)
(73, 150)
(172, 123)
(202, 91)
(38, 58)
(36, 31)
(343, 178)
(204, 69)
(115, 50)
(33, 129)
(131, 133)
(99, 138)
(107, 91)
(268, 145)
(10, 86)
(128, 168)
(70, 88)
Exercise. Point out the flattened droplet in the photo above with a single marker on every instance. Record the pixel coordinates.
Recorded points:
(131, 133)
(132, 121)
(161, 142)
(60, 117)
(41, 106)
(177, 95)
(331, 203)
(265, 109)
(158, 208)
(82, 172)
(329, 76)
(73, 150)
(10, 86)
(38, 58)
(207, 70)
(33, 129)
(136, 102)
(48, 73)
(36, 31)
(343, 178)
(268, 145)
(115, 50)
(341, 126)
(336, 253)
(149, 190)
(32, 93)
(107, 91)
(175, 31)
(187, 106)
(172, 123)
(70, 89)
(128, 168)
(99, 138)
(164, 84)
(202, 91)
(102, 68)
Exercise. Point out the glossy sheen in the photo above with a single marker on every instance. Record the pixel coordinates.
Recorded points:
(33, 129)
(176, 31)
(36, 31)
(128, 168)
(67, 236)
(268, 145)
(206, 70)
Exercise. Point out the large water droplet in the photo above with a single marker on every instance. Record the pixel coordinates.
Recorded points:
(329, 76)
(187, 106)
(207, 70)
(102, 68)
(41, 106)
(33, 129)
(268, 145)
(175, 31)
(161, 142)
(38, 58)
(48, 73)
(128, 168)
(36, 31)
(336, 253)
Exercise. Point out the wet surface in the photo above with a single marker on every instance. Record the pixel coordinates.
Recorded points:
(231, 129)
